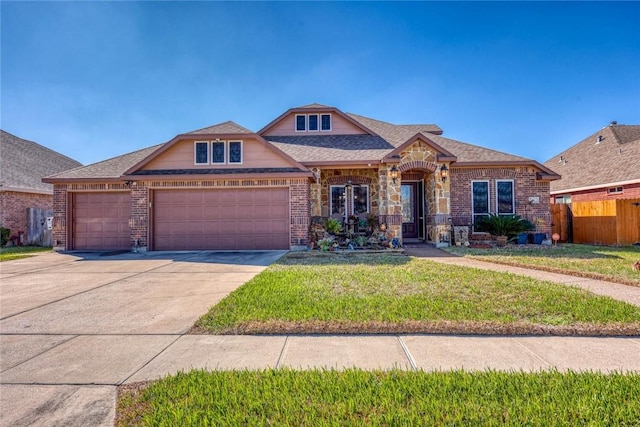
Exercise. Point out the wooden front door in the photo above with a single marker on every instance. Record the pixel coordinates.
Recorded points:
(410, 219)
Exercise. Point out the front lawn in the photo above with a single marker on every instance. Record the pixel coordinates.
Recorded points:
(379, 293)
(395, 398)
(17, 252)
(599, 262)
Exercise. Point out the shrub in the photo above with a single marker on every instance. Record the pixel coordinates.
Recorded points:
(333, 226)
(503, 225)
(4, 235)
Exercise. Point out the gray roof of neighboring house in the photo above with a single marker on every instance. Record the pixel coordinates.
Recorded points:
(24, 163)
(111, 168)
(592, 163)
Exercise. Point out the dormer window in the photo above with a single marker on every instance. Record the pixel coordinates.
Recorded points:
(326, 122)
(301, 123)
(235, 152)
(313, 122)
(218, 152)
(222, 152)
(201, 153)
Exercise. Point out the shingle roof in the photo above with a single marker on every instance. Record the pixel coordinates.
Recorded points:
(327, 148)
(226, 127)
(214, 171)
(24, 163)
(111, 168)
(591, 163)
(320, 148)
(395, 134)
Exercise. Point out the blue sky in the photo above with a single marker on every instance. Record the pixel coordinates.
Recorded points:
(96, 80)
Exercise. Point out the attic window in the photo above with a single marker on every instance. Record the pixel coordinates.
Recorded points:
(313, 122)
(301, 123)
(326, 122)
(614, 190)
(201, 153)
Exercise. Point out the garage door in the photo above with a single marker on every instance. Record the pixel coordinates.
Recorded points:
(101, 221)
(221, 219)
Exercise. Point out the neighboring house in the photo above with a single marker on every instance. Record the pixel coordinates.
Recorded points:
(226, 187)
(603, 166)
(598, 198)
(23, 164)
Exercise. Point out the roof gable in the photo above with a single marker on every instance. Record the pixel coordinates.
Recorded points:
(443, 154)
(222, 128)
(350, 126)
(24, 163)
(178, 153)
(608, 156)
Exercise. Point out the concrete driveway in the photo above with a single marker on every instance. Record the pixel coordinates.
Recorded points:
(73, 326)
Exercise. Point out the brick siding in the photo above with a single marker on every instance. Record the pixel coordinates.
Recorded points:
(630, 191)
(525, 186)
(13, 209)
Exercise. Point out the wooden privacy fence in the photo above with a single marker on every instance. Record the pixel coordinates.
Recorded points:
(604, 222)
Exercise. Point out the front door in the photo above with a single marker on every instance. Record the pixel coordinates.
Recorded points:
(410, 220)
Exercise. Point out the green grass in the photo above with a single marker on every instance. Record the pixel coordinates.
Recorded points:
(383, 398)
(601, 262)
(395, 294)
(17, 252)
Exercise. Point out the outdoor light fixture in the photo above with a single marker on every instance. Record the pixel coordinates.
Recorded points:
(394, 173)
(444, 173)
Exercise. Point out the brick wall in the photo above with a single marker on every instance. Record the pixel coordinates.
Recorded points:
(139, 221)
(300, 212)
(13, 209)
(630, 191)
(525, 186)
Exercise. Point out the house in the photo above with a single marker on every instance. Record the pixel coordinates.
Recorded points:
(597, 200)
(227, 187)
(603, 166)
(23, 164)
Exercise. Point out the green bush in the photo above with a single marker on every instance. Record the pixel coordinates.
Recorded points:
(4, 235)
(504, 225)
(333, 226)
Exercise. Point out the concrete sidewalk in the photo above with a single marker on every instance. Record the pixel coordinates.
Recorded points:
(61, 365)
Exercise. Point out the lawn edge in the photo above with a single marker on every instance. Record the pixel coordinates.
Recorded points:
(280, 327)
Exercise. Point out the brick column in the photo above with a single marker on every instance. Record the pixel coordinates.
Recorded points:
(60, 195)
(139, 220)
(300, 212)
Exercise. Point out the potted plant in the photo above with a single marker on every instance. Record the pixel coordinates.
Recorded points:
(333, 226)
(503, 227)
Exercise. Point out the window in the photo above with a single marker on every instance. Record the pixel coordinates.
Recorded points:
(479, 199)
(563, 199)
(201, 153)
(504, 197)
(235, 152)
(361, 199)
(358, 199)
(326, 122)
(614, 190)
(313, 122)
(301, 123)
(218, 152)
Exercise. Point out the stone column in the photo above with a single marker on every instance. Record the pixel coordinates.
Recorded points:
(390, 202)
